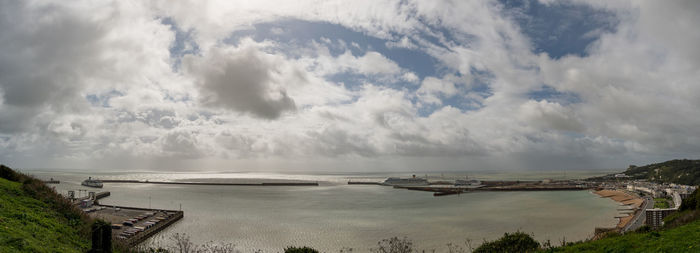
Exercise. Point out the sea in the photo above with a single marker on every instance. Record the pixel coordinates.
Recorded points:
(335, 215)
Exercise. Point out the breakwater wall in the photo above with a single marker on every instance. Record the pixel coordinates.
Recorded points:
(223, 184)
(100, 195)
(443, 191)
(527, 188)
(370, 183)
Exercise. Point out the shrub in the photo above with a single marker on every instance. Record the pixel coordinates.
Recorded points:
(515, 242)
(300, 250)
(394, 245)
(692, 202)
(9, 174)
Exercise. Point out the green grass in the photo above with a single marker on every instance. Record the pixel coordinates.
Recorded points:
(31, 225)
(685, 238)
(661, 203)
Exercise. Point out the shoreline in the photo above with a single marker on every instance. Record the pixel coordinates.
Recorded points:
(625, 200)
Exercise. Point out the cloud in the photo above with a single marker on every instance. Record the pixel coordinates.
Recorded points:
(551, 116)
(636, 81)
(181, 144)
(46, 54)
(241, 79)
(371, 63)
(96, 83)
(433, 90)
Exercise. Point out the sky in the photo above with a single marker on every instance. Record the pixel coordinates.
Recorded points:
(348, 85)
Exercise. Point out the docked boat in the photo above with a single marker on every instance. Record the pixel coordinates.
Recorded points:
(92, 183)
(469, 183)
(413, 181)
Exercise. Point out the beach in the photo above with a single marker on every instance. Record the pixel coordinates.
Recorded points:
(623, 198)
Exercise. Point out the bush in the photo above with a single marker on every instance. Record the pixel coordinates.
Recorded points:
(515, 242)
(9, 174)
(692, 202)
(394, 245)
(681, 218)
(300, 250)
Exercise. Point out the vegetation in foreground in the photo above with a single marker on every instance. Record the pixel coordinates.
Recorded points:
(684, 238)
(34, 218)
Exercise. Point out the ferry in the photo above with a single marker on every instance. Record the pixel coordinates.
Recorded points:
(92, 183)
(414, 181)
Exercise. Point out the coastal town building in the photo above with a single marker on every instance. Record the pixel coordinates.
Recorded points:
(655, 217)
(621, 175)
(676, 192)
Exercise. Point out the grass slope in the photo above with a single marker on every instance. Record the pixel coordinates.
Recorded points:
(685, 238)
(28, 224)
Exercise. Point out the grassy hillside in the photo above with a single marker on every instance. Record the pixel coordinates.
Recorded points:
(685, 238)
(675, 171)
(680, 233)
(33, 218)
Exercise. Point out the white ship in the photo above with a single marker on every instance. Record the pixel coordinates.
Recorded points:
(92, 183)
(414, 181)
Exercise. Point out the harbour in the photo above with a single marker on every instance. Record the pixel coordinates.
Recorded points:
(346, 214)
(129, 225)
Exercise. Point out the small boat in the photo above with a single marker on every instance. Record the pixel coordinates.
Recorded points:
(92, 183)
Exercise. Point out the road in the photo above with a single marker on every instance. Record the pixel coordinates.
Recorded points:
(641, 216)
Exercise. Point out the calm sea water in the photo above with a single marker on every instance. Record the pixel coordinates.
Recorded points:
(336, 215)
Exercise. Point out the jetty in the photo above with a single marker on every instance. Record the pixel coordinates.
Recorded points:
(133, 225)
(212, 183)
(130, 225)
(360, 182)
(52, 181)
(97, 196)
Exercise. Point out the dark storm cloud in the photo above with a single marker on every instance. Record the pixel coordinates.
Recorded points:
(241, 80)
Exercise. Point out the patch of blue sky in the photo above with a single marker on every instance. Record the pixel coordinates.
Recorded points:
(299, 33)
(351, 81)
(553, 95)
(168, 96)
(560, 28)
(102, 100)
(183, 44)
(442, 36)
(355, 81)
